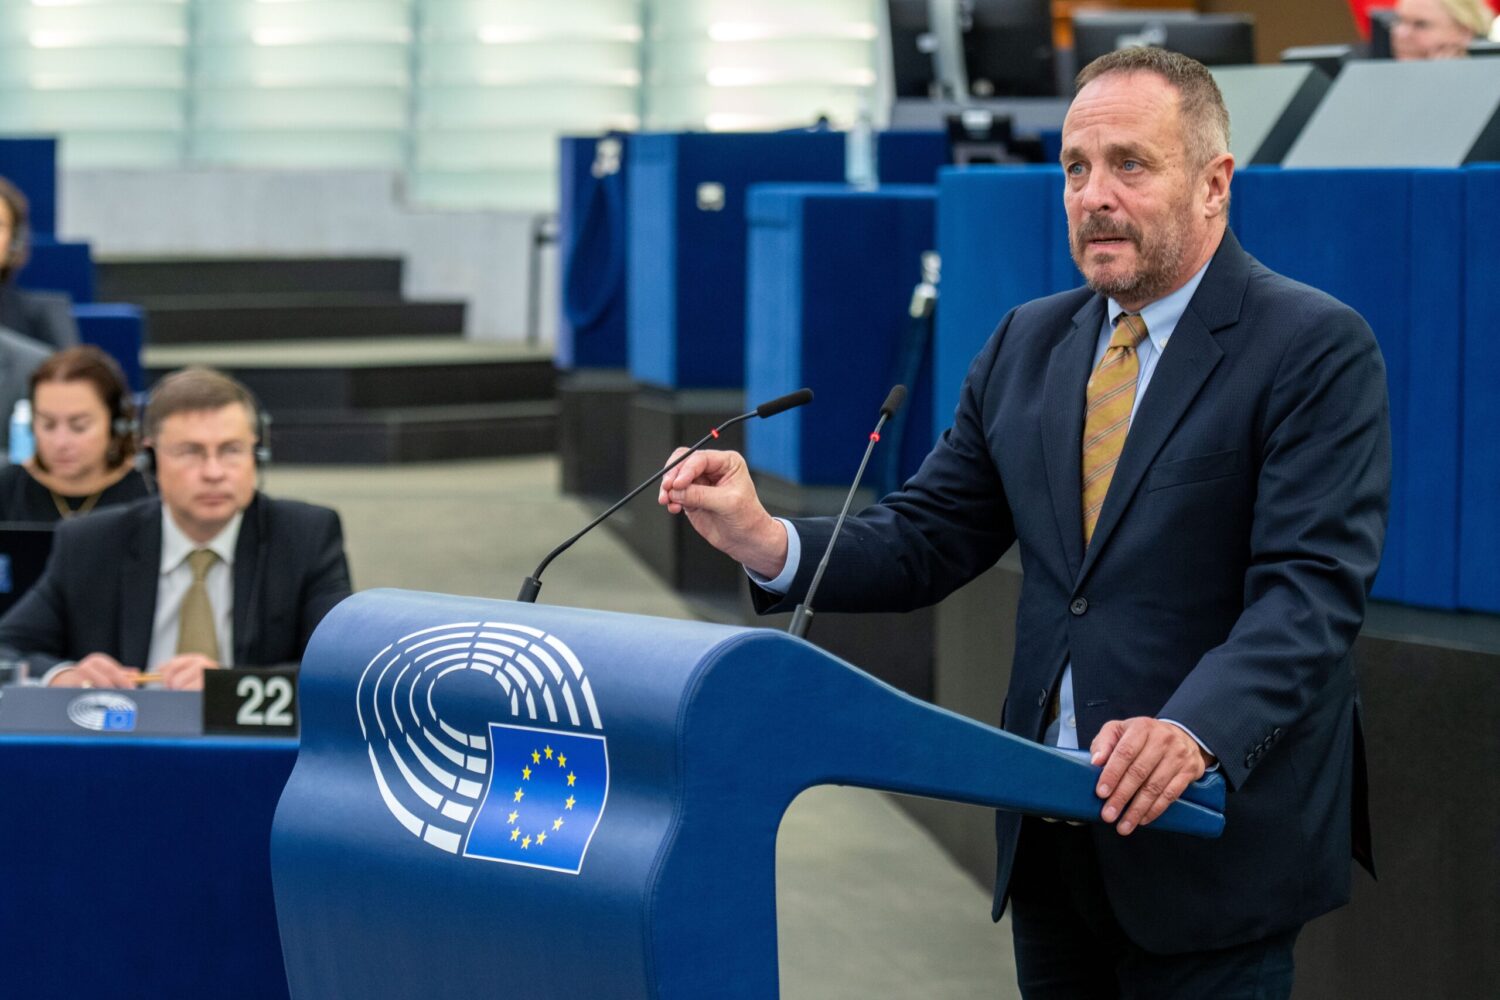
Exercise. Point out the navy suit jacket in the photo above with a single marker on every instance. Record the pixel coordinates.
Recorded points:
(1223, 589)
(98, 592)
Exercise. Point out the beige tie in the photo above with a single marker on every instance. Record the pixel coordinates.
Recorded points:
(195, 627)
(1111, 395)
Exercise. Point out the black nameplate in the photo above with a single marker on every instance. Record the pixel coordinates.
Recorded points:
(250, 702)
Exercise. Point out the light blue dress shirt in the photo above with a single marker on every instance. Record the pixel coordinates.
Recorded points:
(1161, 319)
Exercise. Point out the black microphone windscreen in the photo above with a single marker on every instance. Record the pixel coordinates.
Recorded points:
(893, 401)
(783, 403)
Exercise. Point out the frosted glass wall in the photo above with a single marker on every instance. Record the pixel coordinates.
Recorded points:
(731, 65)
(300, 83)
(109, 75)
(499, 80)
(466, 97)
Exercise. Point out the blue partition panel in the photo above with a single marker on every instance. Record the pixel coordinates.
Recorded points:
(500, 799)
(1479, 540)
(119, 330)
(31, 165)
(1390, 244)
(831, 272)
(1004, 241)
(686, 249)
(911, 157)
(591, 243)
(56, 266)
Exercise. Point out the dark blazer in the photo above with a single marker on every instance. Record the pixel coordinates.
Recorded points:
(45, 317)
(1223, 589)
(98, 592)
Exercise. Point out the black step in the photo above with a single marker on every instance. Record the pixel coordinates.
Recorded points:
(193, 324)
(132, 279)
(414, 434)
(383, 386)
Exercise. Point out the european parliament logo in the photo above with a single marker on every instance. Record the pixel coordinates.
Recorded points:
(485, 741)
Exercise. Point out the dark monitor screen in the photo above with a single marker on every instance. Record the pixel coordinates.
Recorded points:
(1007, 48)
(912, 48)
(24, 549)
(1212, 39)
(1382, 20)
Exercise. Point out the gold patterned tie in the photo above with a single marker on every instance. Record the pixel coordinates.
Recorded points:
(1111, 394)
(195, 621)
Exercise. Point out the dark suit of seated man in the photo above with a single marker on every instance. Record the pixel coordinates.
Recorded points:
(212, 575)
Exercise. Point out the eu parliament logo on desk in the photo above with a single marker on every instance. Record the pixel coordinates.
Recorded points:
(485, 742)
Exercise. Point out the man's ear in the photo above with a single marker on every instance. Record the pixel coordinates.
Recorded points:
(1216, 178)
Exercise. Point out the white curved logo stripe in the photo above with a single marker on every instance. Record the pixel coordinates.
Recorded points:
(424, 766)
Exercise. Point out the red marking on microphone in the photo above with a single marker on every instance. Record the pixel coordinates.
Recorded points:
(715, 433)
(875, 436)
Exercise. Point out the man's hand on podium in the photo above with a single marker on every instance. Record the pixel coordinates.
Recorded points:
(714, 489)
(1147, 764)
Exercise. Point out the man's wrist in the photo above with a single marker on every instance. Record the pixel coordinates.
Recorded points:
(770, 550)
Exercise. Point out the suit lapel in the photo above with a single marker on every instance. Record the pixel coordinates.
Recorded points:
(140, 574)
(1190, 357)
(1062, 424)
(246, 550)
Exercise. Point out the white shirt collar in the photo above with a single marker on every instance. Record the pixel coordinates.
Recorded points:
(175, 546)
(1162, 315)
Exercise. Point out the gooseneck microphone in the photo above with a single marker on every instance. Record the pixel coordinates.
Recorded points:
(533, 583)
(802, 617)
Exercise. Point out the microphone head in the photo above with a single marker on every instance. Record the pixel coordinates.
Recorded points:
(783, 403)
(893, 401)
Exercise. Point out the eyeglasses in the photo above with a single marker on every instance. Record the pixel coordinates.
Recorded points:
(230, 453)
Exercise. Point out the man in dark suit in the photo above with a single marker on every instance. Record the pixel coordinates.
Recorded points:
(214, 574)
(1193, 454)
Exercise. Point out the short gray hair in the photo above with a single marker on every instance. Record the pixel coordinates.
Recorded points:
(1205, 119)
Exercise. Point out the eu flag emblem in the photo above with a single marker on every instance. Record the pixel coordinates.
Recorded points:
(546, 793)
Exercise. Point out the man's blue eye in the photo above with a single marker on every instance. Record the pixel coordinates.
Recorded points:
(1075, 169)
(1131, 165)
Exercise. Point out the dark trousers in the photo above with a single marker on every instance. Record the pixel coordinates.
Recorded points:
(1069, 946)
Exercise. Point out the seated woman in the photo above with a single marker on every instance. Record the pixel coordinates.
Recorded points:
(84, 421)
(1438, 29)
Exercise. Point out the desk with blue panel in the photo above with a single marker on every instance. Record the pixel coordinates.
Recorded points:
(830, 277)
(139, 868)
(685, 313)
(594, 388)
(1416, 252)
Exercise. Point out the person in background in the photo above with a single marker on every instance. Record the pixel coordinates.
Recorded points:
(1438, 29)
(19, 357)
(44, 317)
(84, 422)
(214, 574)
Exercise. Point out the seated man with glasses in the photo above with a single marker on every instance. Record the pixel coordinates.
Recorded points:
(210, 574)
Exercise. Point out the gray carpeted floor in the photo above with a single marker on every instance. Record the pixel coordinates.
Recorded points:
(869, 906)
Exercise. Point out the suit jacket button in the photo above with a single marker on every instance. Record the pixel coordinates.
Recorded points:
(1079, 606)
(1041, 699)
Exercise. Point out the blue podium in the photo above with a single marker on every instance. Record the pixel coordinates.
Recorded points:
(510, 799)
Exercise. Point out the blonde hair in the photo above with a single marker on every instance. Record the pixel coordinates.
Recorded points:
(1473, 15)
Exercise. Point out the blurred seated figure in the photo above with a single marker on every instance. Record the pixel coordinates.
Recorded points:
(46, 317)
(1438, 29)
(19, 357)
(211, 573)
(84, 423)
